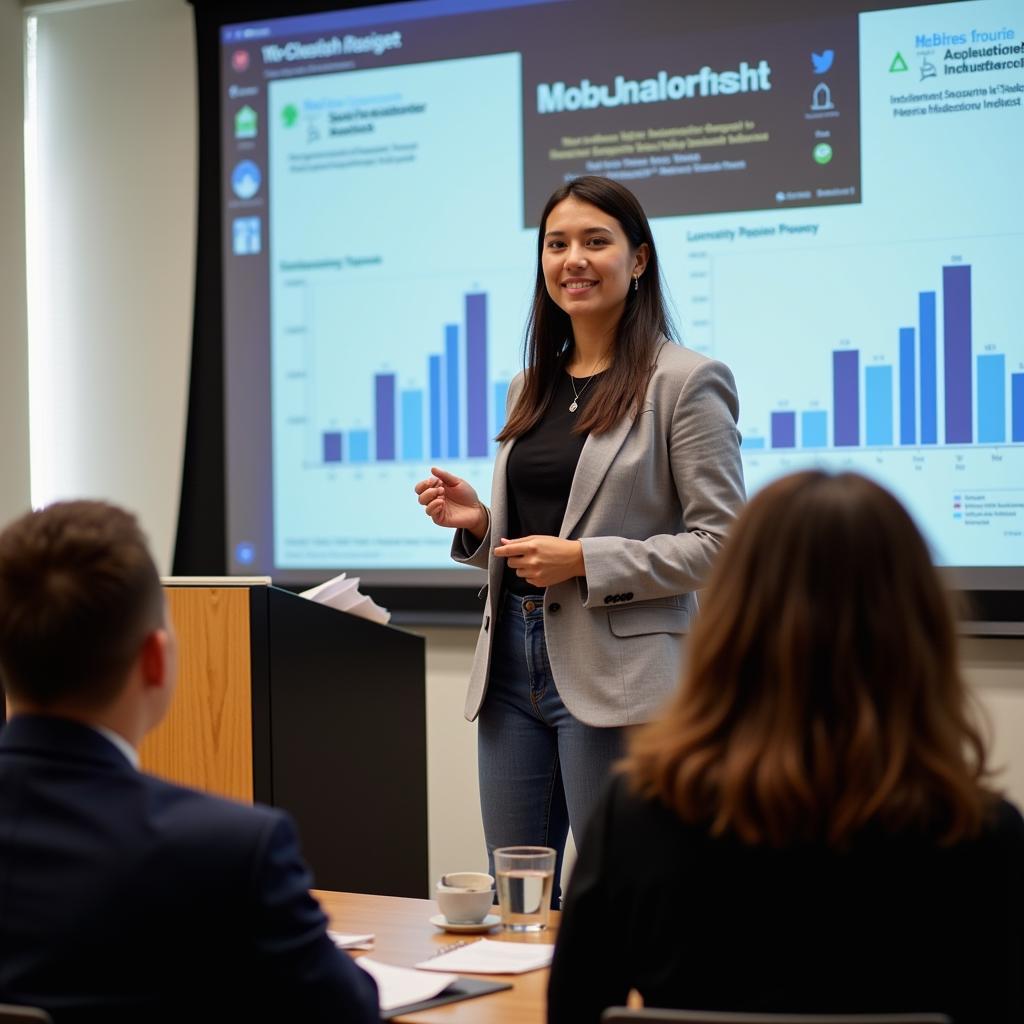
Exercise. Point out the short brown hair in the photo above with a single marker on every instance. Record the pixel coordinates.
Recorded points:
(78, 593)
(823, 693)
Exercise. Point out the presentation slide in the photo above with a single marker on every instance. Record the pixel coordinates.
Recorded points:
(834, 200)
(396, 299)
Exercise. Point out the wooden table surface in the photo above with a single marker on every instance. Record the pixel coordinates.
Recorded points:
(404, 936)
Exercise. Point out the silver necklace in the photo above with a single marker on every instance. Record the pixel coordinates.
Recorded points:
(578, 394)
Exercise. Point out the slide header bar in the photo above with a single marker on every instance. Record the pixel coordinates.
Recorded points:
(333, 20)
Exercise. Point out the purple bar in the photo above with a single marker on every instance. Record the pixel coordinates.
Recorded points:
(476, 375)
(384, 415)
(846, 397)
(1017, 406)
(783, 429)
(956, 324)
(332, 446)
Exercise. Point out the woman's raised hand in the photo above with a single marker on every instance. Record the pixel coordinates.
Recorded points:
(453, 502)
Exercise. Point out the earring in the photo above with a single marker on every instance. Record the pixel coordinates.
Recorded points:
(636, 282)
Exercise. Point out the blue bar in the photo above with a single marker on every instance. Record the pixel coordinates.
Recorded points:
(878, 404)
(992, 399)
(451, 391)
(752, 442)
(332, 446)
(434, 372)
(908, 381)
(929, 381)
(1017, 401)
(500, 397)
(358, 446)
(783, 429)
(412, 424)
(814, 429)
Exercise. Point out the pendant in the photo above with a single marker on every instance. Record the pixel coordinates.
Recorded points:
(573, 407)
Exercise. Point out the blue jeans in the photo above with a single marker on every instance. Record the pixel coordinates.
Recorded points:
(541, 770)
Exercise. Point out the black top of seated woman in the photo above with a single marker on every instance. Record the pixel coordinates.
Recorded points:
(895, 923)
(541, 466)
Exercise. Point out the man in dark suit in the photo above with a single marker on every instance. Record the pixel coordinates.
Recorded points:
(123, 897)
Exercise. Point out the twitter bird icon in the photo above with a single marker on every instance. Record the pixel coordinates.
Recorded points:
(822, 61)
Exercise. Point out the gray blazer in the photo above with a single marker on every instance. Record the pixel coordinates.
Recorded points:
(651, 501)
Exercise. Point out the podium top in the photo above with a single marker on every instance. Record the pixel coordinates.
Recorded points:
(215, 581)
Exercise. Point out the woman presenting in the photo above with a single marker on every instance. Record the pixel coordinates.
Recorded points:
(616, 480)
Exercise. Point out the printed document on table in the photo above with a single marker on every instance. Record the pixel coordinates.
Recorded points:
(400, 986)
(345, 941)
(490, 957)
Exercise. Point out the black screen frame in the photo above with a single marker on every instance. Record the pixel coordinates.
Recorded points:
(991, 601)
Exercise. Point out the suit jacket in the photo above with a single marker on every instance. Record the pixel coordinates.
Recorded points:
(894, 923)
(651, 501)
(126, 898)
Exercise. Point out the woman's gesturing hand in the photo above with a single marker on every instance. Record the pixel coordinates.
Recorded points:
(543, 561)
(453, 502)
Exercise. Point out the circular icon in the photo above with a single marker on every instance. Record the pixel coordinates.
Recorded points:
(822, 153)
(246, 179)
(245, 552)
(240, 61)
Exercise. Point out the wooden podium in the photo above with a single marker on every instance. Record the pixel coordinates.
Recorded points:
(305, 708)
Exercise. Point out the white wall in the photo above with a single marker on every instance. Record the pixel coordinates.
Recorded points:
(995, 668)
(126, 124)
(116, 181)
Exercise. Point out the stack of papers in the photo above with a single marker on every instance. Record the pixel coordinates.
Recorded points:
(399, 986)
(343, 593)
(344, 941)
(490, 957)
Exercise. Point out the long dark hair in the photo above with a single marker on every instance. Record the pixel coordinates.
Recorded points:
(549, 330)
(823, 694)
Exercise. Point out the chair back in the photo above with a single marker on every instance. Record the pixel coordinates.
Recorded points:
(10, 1014)
(653, 1015)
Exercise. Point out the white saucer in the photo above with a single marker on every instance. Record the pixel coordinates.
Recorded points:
(489, 922)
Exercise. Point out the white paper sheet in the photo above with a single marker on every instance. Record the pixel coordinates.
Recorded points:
(342, 592)
(398, 986)
(344, 941)
(491, 957)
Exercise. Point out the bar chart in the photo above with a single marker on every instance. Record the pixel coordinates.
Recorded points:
(942, 386)
(454, 416)
(903, 361)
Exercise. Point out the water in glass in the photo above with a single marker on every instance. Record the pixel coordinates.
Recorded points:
(525, 898)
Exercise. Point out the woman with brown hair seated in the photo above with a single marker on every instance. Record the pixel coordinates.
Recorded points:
(808, 827)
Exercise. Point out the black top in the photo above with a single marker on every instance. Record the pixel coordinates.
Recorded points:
(896, 923)
(541, 466)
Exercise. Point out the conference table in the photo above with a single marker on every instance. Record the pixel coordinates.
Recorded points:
(404, 936)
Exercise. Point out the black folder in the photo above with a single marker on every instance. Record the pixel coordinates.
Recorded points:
(461, 988)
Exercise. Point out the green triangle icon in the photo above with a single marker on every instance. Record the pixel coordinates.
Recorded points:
(898, 63)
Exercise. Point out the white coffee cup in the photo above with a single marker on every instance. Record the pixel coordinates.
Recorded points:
(465, 897)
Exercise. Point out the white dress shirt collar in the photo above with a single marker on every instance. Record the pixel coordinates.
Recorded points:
(130, 753)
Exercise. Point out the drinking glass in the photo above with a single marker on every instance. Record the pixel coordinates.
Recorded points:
(525, 877)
